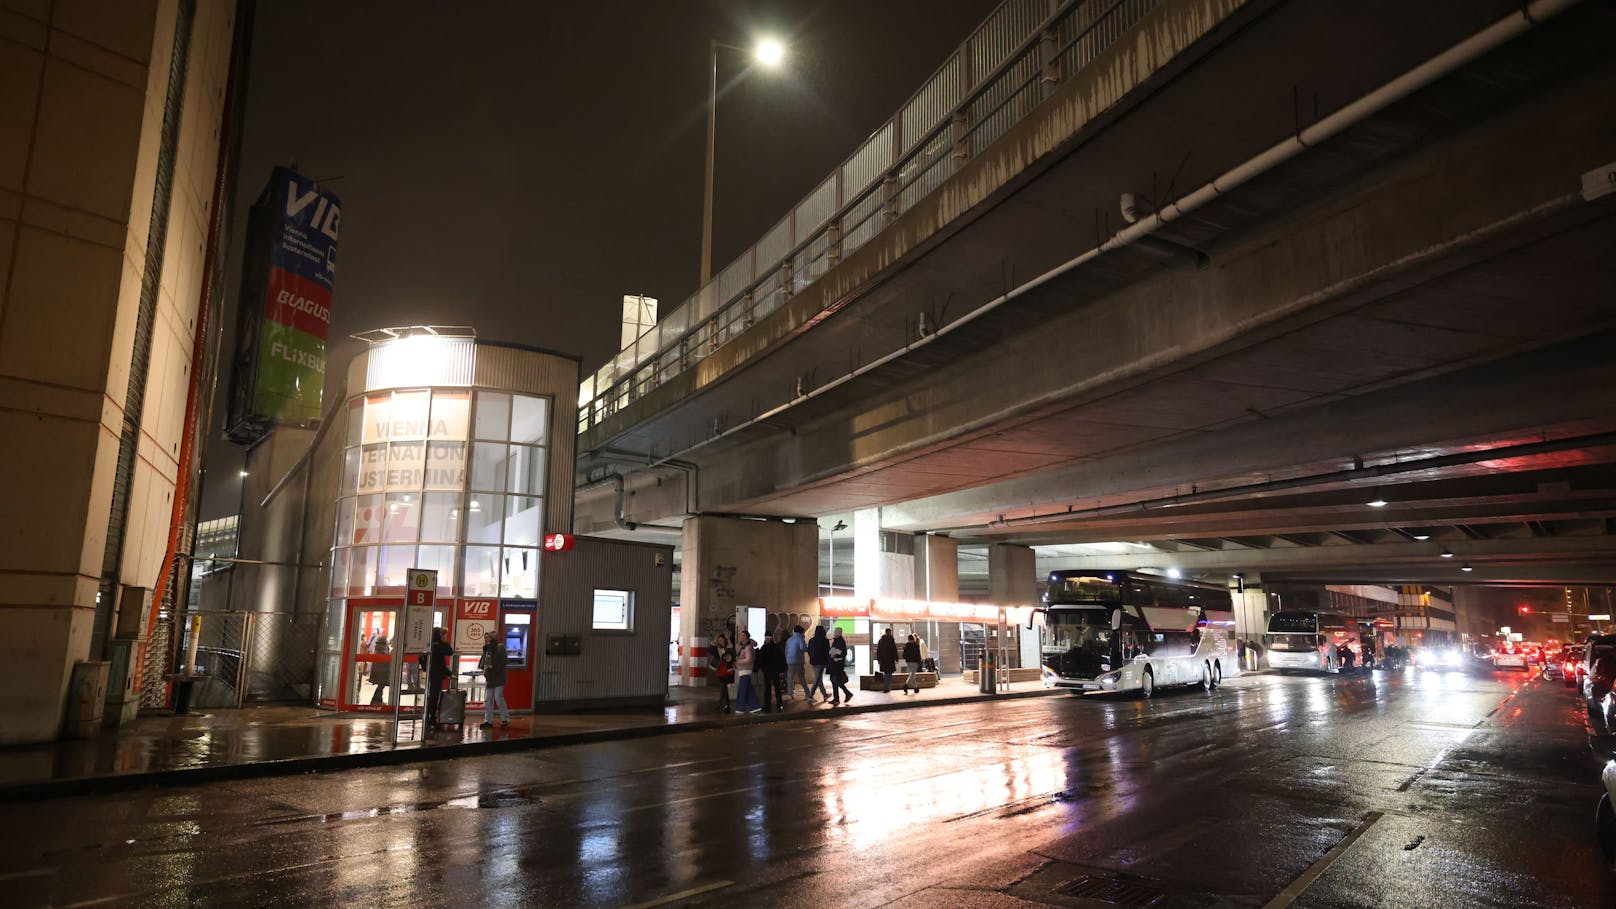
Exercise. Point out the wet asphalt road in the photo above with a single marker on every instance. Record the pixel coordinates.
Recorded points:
(1447, 789)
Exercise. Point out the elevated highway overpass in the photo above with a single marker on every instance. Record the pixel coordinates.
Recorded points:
(1249, 267)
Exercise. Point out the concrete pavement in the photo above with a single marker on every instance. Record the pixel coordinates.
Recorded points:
(278, 740)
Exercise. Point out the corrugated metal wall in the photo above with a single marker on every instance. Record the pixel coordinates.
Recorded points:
(613, 664)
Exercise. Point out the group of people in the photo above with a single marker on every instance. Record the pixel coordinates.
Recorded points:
(435, 662)
(779, 666)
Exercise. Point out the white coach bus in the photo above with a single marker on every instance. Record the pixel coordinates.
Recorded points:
(1310, 640)
(1123, 631)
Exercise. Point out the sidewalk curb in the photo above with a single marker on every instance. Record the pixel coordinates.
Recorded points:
(97, 785)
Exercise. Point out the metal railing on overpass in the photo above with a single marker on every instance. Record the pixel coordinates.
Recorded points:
(1009, 64)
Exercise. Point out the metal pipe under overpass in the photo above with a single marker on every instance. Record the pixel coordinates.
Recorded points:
(1516, 23)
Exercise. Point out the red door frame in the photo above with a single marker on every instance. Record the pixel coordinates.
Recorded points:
(349, 658)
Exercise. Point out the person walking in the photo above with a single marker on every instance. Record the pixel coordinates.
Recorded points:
(911, 655)
(381, 671)
(493, 666)
(838, 669)
(721, 660)
(437, 674)
(746, 700)
(886, 658)
(797, 665)
(819, 658)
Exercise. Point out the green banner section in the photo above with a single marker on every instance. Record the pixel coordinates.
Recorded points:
(291, 371)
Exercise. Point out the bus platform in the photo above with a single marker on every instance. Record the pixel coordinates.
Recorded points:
(223, 744)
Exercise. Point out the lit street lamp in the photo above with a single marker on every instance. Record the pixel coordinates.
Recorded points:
(769, 53)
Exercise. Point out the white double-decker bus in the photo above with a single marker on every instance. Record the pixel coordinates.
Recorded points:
(1311, 640)
(1122, 631)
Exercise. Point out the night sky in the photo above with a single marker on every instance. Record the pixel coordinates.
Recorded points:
(518, 167)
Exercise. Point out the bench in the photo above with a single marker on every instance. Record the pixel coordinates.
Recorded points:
(1027, 674)
(873, 682)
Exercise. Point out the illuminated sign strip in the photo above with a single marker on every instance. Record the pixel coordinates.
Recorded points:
(919, 610)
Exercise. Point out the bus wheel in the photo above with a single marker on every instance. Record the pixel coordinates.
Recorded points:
(1206, 677)
(1147, 685)
(1217, 674)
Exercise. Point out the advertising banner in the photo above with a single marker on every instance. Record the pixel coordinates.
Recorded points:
(475, 622)
(285, 312)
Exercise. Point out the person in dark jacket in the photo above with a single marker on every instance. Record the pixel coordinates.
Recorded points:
(437, 674)
(493, 667)
(838, 669)
(772, 669)
(721, 660)
(911, 655)
(819, 658)
(886, 659)
(381, 671)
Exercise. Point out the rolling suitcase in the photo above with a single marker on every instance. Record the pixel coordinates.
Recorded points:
(452, 708)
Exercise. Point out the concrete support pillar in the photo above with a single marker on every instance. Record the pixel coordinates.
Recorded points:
(733, 562)
(1013, 581)
(1250, 614)
(936, 568)
(866, 545)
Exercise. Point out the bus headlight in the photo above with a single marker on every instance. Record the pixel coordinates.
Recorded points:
(1109, 680)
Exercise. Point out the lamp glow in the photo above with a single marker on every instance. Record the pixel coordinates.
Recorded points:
(769, 52)
(1377, 503)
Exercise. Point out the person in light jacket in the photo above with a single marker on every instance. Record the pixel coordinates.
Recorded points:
(797, 665)
(746, 698)
(819, 658)
(493, 667)
(886, 657)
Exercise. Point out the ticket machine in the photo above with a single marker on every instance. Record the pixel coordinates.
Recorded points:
(516, 629)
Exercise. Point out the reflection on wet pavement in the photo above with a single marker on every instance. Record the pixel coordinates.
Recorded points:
(1461, 790)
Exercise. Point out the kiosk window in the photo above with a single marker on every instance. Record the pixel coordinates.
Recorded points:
(614, 610)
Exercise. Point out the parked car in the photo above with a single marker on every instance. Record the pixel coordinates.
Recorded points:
(1605, 816)
(1599, 667)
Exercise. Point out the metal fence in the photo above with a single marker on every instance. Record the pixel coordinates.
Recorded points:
(988, 84)
(248, 657)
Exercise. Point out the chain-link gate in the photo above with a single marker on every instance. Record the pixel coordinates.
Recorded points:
(221, 658)
(281, 656)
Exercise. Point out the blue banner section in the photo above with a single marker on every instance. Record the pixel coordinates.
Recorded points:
(304, 238)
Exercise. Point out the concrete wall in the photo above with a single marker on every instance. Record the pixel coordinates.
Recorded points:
(732, 562)
(82, 96)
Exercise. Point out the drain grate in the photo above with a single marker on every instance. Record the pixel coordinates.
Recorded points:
(1114, 890)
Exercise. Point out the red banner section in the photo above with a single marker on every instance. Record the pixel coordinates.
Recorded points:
(303, 304)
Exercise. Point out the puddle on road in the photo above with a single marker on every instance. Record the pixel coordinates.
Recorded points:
(505, 798)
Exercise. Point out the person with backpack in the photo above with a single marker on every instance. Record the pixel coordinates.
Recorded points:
(381, 671)
(721, 660)
(746, 700)
(493, 664)
(797, 665)
(838, 669)
(886, 657)
(819, 658)
(771, 673)
(911, 655)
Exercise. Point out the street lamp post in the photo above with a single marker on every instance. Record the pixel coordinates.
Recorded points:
(769, 53)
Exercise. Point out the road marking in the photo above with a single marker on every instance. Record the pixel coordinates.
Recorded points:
(1300, 885)
(683, 894)
(32, 872)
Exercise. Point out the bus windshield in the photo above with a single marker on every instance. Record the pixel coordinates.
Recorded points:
(1079, 641)
(1083, 589)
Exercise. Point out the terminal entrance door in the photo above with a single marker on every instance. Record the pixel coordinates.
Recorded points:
(369, 647)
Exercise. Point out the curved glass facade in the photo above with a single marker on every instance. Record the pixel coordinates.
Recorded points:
(445, 478)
